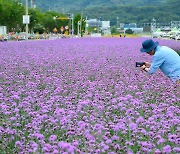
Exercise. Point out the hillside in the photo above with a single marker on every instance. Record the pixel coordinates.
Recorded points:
(127, 10)
(69, 5)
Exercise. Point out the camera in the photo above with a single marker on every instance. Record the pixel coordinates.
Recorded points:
(139, 64)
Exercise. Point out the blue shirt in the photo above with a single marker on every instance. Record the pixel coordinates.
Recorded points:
(168, 61)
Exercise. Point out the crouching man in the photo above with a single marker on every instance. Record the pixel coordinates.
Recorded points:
(164, 58)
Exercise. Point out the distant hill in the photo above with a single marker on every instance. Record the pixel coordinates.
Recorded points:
(78, 5)
(126, 10)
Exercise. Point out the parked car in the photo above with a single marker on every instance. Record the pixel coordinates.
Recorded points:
(172, 35)
(157, 34)
(177, 37)
(165, 35)
(3, 38)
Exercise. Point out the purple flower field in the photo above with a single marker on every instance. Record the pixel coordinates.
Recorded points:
(85, 96)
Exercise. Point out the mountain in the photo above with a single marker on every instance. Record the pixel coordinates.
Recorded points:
(78, 5)
(126, 10)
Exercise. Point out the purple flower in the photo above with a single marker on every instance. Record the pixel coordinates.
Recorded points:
(16, 97)
(98, 127)
(55, 151)
(13, 118)
(34, 146)
(52, 138)
(176, 149)
(160, 141)
(108, 141)
(18, 144)
(132, 126)
(172, 137)
(119, 126)
(39, 136)
(157, 151)
(63, 145)
(105, 147)
(71, 149)
(167, 149)
(139, 119)
(45, 149)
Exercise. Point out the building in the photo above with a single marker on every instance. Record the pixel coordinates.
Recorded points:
(101, 26)
(106, 28)
(133, 26)
(94, 23)
(3, 30)
(129, 26)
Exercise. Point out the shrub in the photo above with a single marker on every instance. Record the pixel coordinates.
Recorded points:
(129, 31)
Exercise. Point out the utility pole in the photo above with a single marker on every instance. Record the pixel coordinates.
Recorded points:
(153, 25)
(99, 25)
(86, 25)
(71, 18)
(26, 23)
(81, 24)
(117, 21)
(72, 25)
(32, 4)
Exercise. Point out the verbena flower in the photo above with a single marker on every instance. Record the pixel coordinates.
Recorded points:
(84, 96)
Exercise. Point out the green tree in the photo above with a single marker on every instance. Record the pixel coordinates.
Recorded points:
(38, 26)
(114, 30)
(52, 20)
(129, 31)
(33, 19)
(11, 14)
(77, 19)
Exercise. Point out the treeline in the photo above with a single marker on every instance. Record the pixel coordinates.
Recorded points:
(138, 11)
(12, 11)
(164, 13)
(11, 15)
(78, 5)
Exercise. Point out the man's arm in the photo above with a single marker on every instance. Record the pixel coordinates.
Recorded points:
(158, 60)
(152, 67)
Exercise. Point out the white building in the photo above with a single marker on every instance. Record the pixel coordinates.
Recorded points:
(135, 30)
(3, 30)
(104, 26)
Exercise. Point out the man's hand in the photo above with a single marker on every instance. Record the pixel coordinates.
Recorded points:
(144, 68)
(147, 64)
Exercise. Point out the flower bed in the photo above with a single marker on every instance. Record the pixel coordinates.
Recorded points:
(85, 96)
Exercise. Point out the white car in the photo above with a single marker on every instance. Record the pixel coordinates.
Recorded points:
(157, 34)
(165, 35)
(177, 37)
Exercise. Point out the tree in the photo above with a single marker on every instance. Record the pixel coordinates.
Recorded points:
(129, 31)
(38, 25)
(11, 14)
(77, 19)
(33, 19)
(51, 20)
(114, 30)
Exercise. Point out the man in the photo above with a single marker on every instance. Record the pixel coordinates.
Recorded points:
(164, 58)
